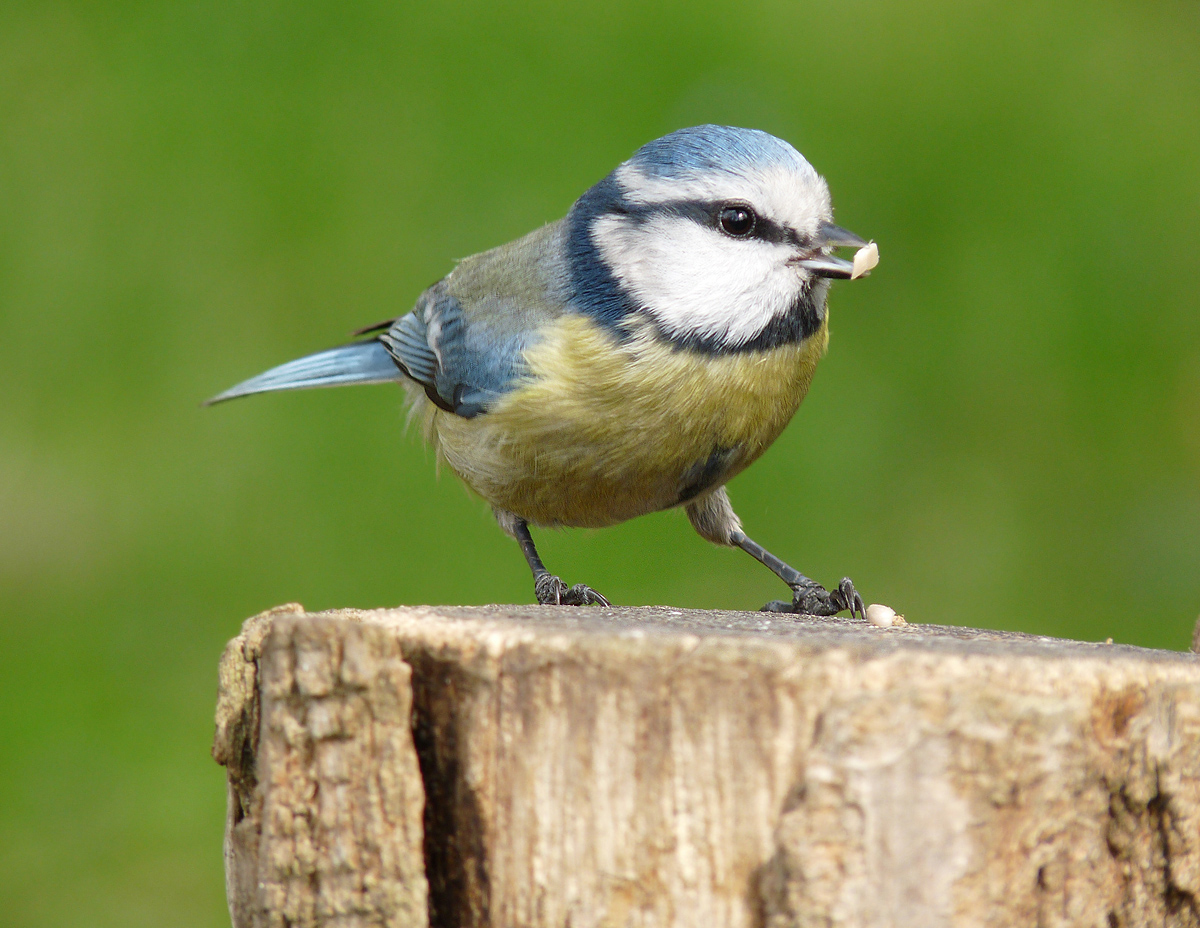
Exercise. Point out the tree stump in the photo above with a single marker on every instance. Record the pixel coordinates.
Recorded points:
(544, 766)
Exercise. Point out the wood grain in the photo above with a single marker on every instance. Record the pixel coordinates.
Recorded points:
(542, 766)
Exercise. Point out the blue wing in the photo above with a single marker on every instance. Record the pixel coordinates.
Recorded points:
(466, 338)
(464, 365)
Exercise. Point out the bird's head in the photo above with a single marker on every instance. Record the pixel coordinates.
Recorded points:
(723, 237)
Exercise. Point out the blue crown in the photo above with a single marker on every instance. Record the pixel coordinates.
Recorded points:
(702, 149)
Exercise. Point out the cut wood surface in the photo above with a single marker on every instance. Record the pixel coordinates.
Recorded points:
(546, 766)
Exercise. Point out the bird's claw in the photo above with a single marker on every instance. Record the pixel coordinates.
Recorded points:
(813, 599)
(851, 600)
(582, 595)
(551, 591)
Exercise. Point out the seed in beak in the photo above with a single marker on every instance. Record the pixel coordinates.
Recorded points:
(864, 259)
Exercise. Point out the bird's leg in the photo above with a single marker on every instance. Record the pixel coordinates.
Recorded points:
(550, 590)
(712, 516)
(808, 596)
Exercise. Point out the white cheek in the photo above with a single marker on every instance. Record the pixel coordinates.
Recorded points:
(696, 281)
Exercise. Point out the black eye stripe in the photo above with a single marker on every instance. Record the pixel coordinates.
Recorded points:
(709, 215)
(770, 231)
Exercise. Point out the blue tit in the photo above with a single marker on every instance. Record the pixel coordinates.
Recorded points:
(633, 356)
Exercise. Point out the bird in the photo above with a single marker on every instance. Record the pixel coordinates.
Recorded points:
(631, 357)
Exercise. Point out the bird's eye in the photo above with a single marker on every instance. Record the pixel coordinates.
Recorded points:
(737, 220)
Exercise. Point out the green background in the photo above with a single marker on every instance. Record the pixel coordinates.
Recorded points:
(1006, 431)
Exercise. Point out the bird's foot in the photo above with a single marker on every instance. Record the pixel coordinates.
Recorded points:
(813, 599)
(551, 591)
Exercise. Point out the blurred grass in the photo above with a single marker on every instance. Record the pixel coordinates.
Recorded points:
(1006, 432)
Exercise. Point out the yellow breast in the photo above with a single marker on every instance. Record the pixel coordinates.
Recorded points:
(604, 431)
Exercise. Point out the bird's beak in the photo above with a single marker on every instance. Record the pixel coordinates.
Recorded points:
(831, 236)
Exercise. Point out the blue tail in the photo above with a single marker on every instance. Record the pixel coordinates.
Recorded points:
(361, 362)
